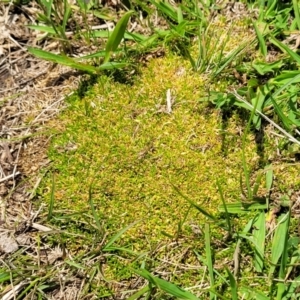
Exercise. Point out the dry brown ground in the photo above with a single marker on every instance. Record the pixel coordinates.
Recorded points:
(32, 92)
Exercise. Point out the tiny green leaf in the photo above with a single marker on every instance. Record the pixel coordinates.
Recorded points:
(117, 35)
(166, 286)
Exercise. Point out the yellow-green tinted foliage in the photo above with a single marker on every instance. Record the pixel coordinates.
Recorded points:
(120, 141)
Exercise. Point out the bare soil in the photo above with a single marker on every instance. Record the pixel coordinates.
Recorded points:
(32, 92)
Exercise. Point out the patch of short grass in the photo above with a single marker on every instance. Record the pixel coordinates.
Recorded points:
(118, 148)
(119, 141)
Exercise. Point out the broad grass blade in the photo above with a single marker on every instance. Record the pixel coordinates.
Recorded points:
(63, 60)
(166, 286)
(264, 68)
(67, 13)
(278, 242)
(261, 40)
(252, 241)
(117, 35)
(286, 49)
(259, 236)
(67, 61)
(243, 207)
(285, 120)
(258, 103)
(285, 79)
(4, 276)
(296, 12)
(111, 66)
(133, 36)
(47, 7)
(42, 28)
(233, 285)
(281, 286)
(236, 255)
(179, 15)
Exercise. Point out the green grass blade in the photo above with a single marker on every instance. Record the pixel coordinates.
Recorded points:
(285, 79)
(112, 66)
(121, 249)
(225, 207)
(94, 55)
(261, 40)
(286, 49)
(230, 57)
(296, 12)
(108, 246)
(4, 276)
(220, 48)
(269, 177)
(151, 41)
(94, 213)
(209, 261)
(67, 61)
(63, 60)
(244, 207)
(281, 286)
(236, 255)
(285, 120)
(47, 7)
(258, 103)
(293, 265)
(253, 242)
(75, 265)
(259, 236)
(42, 28)
(244, 162)
(67, 13)
(253, 293)
(52, 197)
(257, 183)
(198, 207)
(278, 242)
(117, 35)
(133, 36)
(217, 274)
(269, 182)
(139, 293)
(166, 286)
(166, 9)
(179, 15)
(102, 15)
(233, 285)
(263, 68)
